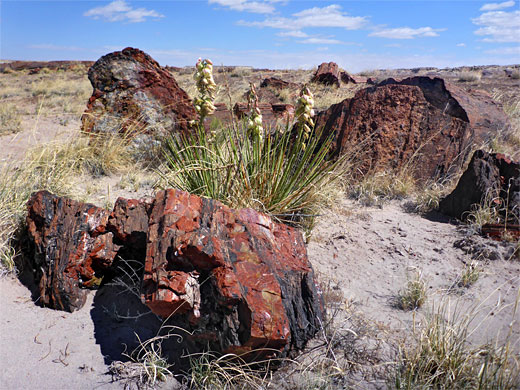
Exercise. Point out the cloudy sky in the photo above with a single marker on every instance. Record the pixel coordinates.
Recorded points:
(358, 35)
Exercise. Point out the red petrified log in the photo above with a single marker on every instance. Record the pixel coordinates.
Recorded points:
(70, 247)
(255, 282)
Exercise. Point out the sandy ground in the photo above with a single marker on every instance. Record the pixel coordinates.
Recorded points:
(365, 252)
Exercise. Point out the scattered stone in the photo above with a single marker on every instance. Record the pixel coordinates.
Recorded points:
(417, 123)
(70, 248)
(489, 178)
(327, 73)
(133, 93)
(480, 248)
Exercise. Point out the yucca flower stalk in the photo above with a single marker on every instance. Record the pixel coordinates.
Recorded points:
(254, 122)
(305, 113)
(207, 88)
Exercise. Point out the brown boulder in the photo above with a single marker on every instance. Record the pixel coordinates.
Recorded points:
(275, 83)
(417, 124)
(132, 92)
(485, 116)
(491, 179)
(242, 281)
(70, 248)
(352, 79)
(327, 73)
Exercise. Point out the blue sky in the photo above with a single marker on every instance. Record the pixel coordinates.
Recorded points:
(358, 35)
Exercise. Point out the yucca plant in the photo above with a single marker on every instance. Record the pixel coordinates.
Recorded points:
(273, 174)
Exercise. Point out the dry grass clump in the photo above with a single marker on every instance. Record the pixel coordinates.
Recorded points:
(374, 188)
(441, 356)
(469, 275)
(469, 76)
(414, 294)
(55, 167)
(10, 121)
(227, 372)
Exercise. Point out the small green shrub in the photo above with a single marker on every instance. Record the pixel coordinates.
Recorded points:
(272, 174)
(414, 294)
(470, 274)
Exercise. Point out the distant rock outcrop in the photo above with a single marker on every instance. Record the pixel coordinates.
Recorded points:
(327, 73)
(424, 125)
(237, 280)
(275, 83)
(132, 92)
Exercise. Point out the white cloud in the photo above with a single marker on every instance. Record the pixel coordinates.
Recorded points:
(330, 16)
(294, 34)
(406, 32)
(497, 6)
(461, 44)
(120, 11)
(510, 50)
(321, 41)
(499, 26)
(259, 7)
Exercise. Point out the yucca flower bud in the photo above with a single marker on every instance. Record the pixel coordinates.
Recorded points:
(305, 113)
(206, 86)
(254, 122)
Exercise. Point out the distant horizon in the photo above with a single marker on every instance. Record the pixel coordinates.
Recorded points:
(272, 34)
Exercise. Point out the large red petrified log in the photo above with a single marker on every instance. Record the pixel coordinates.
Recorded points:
(237, 280)
(243, 281)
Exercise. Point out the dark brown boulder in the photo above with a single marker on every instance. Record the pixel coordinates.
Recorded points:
(132, 92)
(327, 73)
(275, 83)
(417, 124)
(387, 127)
(70, 248)
(485, 116)
(242, 281)
(352, 79)
(491, 179)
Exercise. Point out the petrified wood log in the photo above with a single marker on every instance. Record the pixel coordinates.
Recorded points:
(70, 248)
(243, 281)
(235, 279)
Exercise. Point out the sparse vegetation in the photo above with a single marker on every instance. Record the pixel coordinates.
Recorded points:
(374, 188)
(10, 120)
(414, 294)
(442, 358)
(470, 274)
(469, 76)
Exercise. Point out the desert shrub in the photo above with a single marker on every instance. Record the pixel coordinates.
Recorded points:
(469, 76)
(441, 356)
(272, 174)
(374, 188)
(227, 372)
(414, 294)
(10, 121)
(470, 274)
